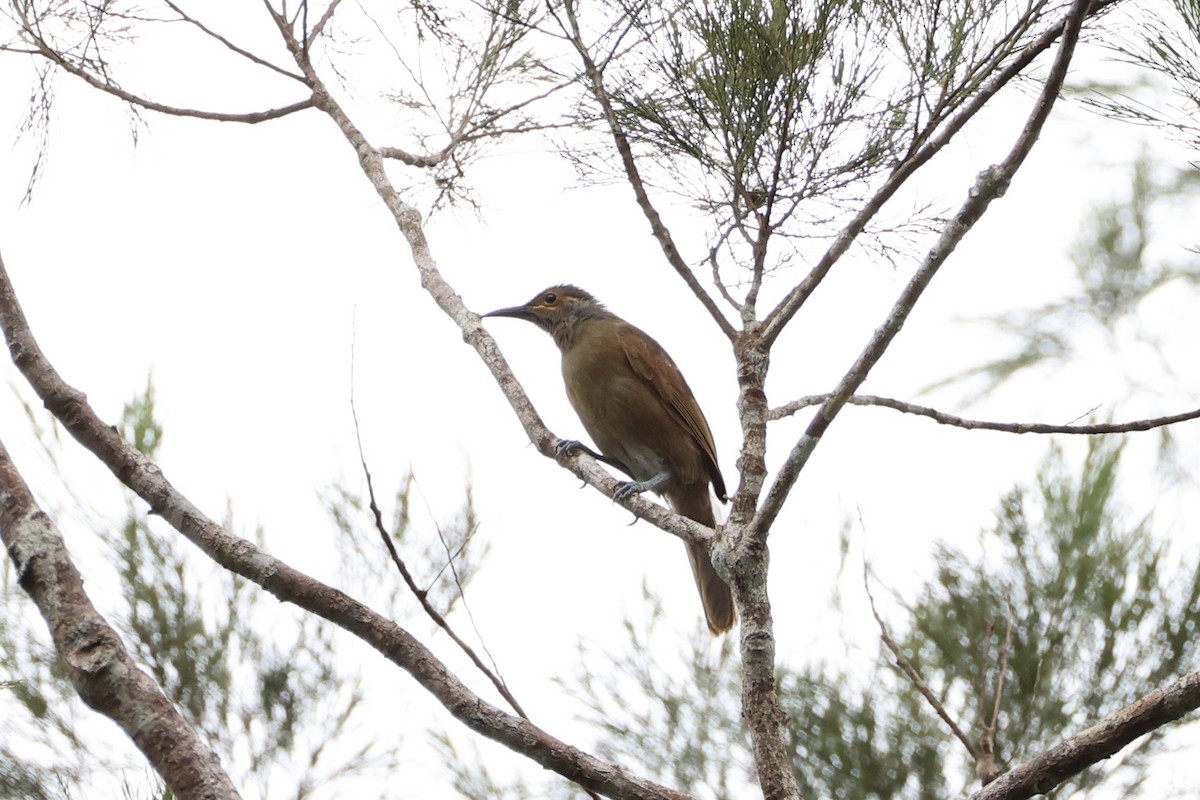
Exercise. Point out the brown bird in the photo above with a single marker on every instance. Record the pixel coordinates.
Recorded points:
(640, 412)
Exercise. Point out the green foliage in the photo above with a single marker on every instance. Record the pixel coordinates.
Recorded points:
(1098, 613)
(758, 95)
(675, 725)
(21, 779)
(167, 630)
(850, 742)
(778, 118)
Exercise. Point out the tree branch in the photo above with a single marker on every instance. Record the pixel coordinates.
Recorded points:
(989, 185)
(1041, 774)
(246, 54)
(941, 417)
(316, 30)
(47, 52)
(106, 677)
(238, 555)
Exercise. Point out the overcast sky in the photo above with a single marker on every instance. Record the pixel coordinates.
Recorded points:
(239, 264)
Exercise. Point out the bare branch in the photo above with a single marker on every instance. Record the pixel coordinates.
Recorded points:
(941, 417)
(989, 185)
(102, 671)
(184, 17)
(106, 85)
(317, 29)
(1040, 775)
(250, 117)
(145, 478)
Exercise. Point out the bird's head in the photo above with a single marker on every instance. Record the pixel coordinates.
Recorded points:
(555, 310)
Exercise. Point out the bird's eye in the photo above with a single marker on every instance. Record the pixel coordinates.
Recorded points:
(551, 299)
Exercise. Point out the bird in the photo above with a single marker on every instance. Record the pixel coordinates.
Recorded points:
(636, 406)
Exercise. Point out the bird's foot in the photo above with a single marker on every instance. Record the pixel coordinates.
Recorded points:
(627, 489)
(565, 448)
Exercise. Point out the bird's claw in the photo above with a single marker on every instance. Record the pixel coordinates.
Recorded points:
(565, 448)
(627, 489)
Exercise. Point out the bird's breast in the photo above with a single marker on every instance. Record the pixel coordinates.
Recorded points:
(621, 412)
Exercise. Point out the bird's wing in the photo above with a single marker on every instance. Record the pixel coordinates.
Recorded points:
(651, 362)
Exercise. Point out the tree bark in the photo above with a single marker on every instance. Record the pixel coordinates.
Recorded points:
(96, 661)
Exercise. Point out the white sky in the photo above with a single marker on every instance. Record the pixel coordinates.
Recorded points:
(236, 264)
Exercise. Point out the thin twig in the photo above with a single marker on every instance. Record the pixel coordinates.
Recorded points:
(317, 29)
(714, 260)
(914, 677)
(986, 768)
(941, 417)
(419, 593)
(108, 87)
(184, 17)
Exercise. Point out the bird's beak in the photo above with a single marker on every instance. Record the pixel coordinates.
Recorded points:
(517, 312)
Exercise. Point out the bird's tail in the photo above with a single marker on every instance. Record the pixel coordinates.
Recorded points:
(694, 503)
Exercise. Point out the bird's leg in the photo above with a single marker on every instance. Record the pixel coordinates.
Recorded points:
(630, 488)
(566, 448)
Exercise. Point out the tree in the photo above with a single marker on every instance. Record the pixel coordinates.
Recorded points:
(791, 128)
